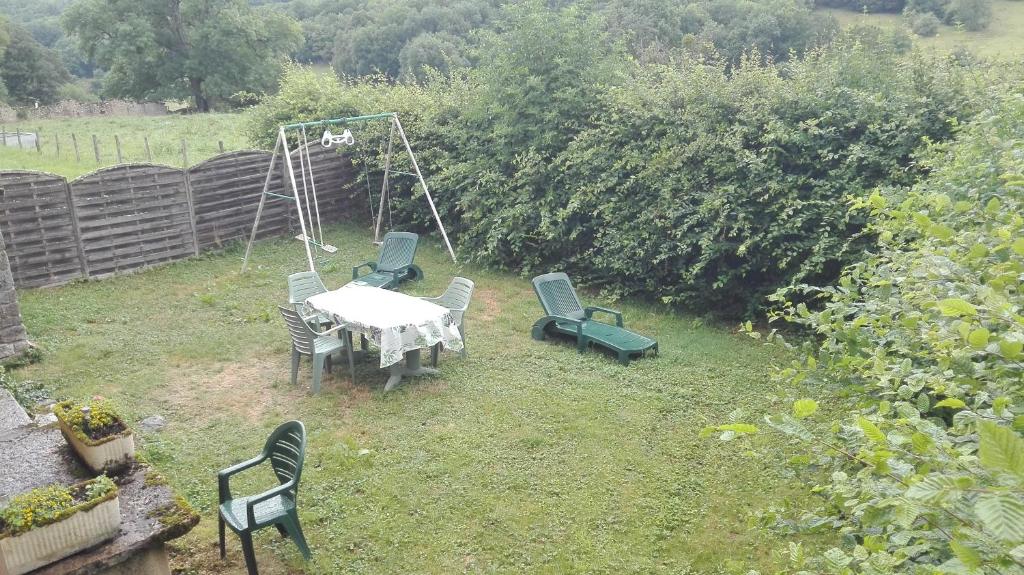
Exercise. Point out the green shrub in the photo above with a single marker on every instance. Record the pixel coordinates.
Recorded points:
(924, 470)
(936, 7)
(973, 15)
(923, 24)
(76, 92)
(701, 183)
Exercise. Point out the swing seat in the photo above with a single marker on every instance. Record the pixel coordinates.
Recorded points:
(326, 247)
(394, 264)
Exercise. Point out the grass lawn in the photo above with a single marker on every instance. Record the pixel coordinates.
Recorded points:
(165, 133)
(1003, 40)
(524, 458)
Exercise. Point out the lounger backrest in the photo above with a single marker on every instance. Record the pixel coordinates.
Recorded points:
(397, 251)
(557, 295)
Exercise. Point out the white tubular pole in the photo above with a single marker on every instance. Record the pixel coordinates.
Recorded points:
(423, 183)
(384, 184)
(295, 192)
(312, 185)
(263, 200)
(305, 193)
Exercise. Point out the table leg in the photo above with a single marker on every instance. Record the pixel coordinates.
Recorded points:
(413, 367)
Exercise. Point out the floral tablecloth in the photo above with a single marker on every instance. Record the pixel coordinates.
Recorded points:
(396, 322)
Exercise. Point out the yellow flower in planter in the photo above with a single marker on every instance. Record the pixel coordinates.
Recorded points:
(45, 505)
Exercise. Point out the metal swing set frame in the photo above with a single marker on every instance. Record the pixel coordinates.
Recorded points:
(313, 239)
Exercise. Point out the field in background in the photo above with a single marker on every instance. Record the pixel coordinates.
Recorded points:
(1004, 38)
(204, 134)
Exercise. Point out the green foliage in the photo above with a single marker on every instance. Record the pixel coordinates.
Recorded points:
(206, 49)
(974, 15)
(103, 422)
(923, 24)
(50, 504)
(77, 93)
(937, 8)
(697, 183)
(925, 337)
(31, 72)
(869, 6)
(397, 37)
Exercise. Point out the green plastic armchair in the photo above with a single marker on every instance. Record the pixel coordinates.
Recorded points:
(315, 344)
(286, 450)
(565, 315)
(456, 298)
(302, 286)
(394, 263)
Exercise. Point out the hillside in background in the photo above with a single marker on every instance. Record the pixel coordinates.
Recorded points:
(1004, 38)
(405, 39)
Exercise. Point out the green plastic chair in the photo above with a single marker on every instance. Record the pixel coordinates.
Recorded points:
(394, 263)
(456, 298)
(286, 450)
(302, 286)
(566, 316)
(306, 341)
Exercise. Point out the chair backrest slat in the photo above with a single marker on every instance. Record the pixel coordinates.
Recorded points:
(286, 449)
(304, 285)
(397, 251)
(457, 295)
(303, 337)
(557, 295)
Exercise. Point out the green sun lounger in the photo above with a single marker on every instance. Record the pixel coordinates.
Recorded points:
(566, 316)
(394, 264)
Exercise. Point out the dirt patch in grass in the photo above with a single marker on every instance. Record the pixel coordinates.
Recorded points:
(489, 299)
(193, 557)
(253, 388)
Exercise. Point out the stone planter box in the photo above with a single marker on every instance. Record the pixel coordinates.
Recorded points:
(109, 453)
(44, 545)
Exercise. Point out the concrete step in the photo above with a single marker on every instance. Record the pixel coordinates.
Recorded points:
(12, 414)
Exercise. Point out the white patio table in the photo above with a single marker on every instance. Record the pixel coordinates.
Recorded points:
(397, 323)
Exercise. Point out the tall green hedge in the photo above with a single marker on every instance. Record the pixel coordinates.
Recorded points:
(920, 352)
(700, 183)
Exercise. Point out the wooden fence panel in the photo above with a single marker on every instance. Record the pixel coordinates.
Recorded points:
(132, 216)
(38, 227)
(226, 193)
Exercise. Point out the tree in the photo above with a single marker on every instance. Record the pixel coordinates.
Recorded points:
(30, 71)
(205, 49)
(974, 15)
(438, 51)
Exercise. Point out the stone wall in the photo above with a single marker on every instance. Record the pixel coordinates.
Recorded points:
(73, 109)
(13, 340)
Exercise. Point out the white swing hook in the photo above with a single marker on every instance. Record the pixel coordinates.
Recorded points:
(330, 139)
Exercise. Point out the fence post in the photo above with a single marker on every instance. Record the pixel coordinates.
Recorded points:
(18, 132)
(96, 148)
(75, 229)
(74, 141)
(149, 155)
(117, 144)
(220, 144)
(188, 196)
(39, 143)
